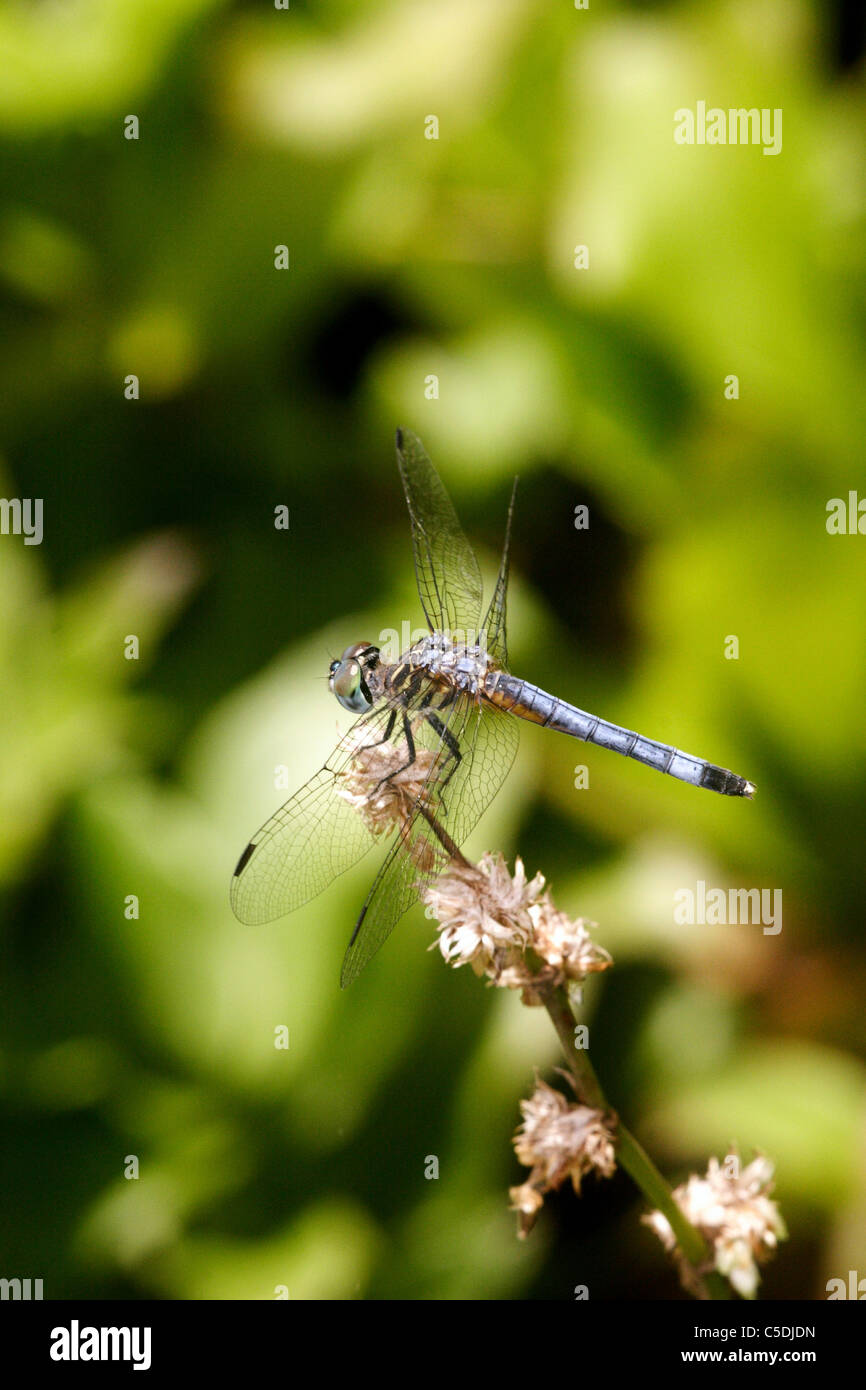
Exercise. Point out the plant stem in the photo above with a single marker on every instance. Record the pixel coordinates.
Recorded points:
(632, 1157)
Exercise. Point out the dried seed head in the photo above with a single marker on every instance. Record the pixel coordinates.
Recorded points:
(380, 785)
(483, 913)
(489, 919)
(558, 1140)
(733, 1211)
(565, 949)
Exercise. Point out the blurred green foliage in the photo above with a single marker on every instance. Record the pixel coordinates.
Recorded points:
(412, 257)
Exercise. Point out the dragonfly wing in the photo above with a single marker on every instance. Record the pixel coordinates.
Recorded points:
(447, 810)
(449, 579)
(314, 837)
(495, 619)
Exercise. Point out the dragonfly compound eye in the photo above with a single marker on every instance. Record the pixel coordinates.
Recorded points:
(349, 688)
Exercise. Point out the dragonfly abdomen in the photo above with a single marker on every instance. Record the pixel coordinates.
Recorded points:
(529, 702)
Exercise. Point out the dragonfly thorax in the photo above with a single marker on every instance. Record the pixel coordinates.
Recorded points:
(462, 664)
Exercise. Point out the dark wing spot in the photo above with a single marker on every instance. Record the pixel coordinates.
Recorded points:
(244, 859)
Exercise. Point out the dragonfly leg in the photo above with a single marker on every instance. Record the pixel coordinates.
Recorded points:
(442, 729)
(389, 729)
(437, 725)
(450, 743)
(410, 749)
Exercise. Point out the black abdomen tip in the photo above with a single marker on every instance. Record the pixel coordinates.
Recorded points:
(718, 779)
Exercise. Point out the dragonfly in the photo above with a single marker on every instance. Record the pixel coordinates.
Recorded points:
(436, 734)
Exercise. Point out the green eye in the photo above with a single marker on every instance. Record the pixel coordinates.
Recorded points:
(347, 680)
(346, 685)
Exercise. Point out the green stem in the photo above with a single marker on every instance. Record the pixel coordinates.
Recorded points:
(632, 1157)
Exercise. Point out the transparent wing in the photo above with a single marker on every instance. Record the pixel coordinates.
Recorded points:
(449, 580)
(314, 837)
(445, 813)
(495, 618)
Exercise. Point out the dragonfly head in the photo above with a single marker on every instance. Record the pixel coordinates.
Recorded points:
(348, 677)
